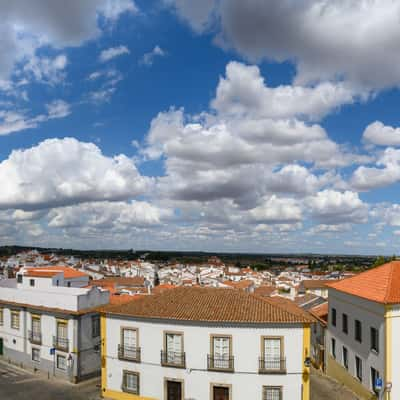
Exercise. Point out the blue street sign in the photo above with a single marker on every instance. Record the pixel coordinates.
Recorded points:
(378, 383)
(52, 351)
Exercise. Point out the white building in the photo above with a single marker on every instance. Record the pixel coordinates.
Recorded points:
(363, 328)
(205, 343)
(49, 321)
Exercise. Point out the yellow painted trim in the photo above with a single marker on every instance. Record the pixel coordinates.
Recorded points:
(306, 353)
(112, 394)
(388, 347)
(103, 335)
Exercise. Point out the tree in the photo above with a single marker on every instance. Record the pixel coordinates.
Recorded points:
(379, 261)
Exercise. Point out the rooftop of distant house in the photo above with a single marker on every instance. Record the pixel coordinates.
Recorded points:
(48, 272)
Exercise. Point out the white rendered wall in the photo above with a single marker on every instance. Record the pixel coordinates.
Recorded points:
(370, 314)
(246, 342)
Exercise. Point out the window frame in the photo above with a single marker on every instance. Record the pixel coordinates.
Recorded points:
(333, 316)
(124, 387)
(59, 356)
(357, 331)
(266, 387)
(95, 324)
(33, 350)
(374, 346)
(12, 314)
(1, 316)
(345, 357)
(281, 356)
(345, 323)
(359, 368)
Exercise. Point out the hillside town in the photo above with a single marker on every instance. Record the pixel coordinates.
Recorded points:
(134, 322)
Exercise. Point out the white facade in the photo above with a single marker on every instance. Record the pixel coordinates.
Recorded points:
(244, 383)
(51, 328)
(371, 315)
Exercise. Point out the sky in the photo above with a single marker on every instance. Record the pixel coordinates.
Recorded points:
(220, 125)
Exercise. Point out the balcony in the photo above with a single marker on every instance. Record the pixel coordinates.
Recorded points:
(129, 353)
(35, 337)
(60, 343)
(220, 363)
(272, 365)
(173, 359)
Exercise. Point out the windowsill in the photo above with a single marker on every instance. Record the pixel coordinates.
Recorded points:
(172, 365)
(272, 371)
(230, 370)
(126, 390)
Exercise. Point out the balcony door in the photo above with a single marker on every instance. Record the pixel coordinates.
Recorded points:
(174, 346)
(129, 343)
(220, 393)
(272, 353)
(174, 390)
(221, 352)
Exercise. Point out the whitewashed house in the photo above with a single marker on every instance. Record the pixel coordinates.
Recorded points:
(205, 343)
(363, 331)
(49, 321)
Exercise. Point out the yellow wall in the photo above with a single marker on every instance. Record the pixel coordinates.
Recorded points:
(306, 353)
(338, 372)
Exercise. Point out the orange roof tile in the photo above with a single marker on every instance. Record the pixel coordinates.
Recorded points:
(380, 284)
(45, 272)
(209, 305)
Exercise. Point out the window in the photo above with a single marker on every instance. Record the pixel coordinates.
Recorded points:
(61, 339)
(333, 347)
(19, 278)
(130, 382)
(96, 326)
(272, 393)
(272, 358)
(221, 349)
(345, 323)
(15, 319)
(31, 282)
(35, 354)
(374, 339)
(359, 368)
(68, 284)
(1, 316)
(129, 344)
(374, 377)
(61, 362)
(35, 334)
(357, 331)
(173, 349)
(333, 318)
(345, 358)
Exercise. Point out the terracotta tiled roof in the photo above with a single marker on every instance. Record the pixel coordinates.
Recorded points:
(208, 305)
(380, 284)
(45, 272)
(289, 305)
(315, 283)
(122, 281)
(265, 290)
(244, 284)
(320, 312)
(122, 298)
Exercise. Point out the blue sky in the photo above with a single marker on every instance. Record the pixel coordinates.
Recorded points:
(220, 125)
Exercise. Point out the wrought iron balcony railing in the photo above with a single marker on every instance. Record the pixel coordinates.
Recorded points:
(173, 359)
(272, 365)
(129, 353)
(220, 363)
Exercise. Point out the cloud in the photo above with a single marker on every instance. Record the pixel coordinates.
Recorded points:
(277, 210)
(334, 207)
(109, 81)
(386, 172)
(319, 36)
(27, 26)
(47, 70)
(148, 58)
(113, 52)
(243, 91)
(16, 121)
(60, 172)
(382, 135)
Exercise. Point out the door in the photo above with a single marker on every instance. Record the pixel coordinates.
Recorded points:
(174, 390)
(220, 393)
(1, 346)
